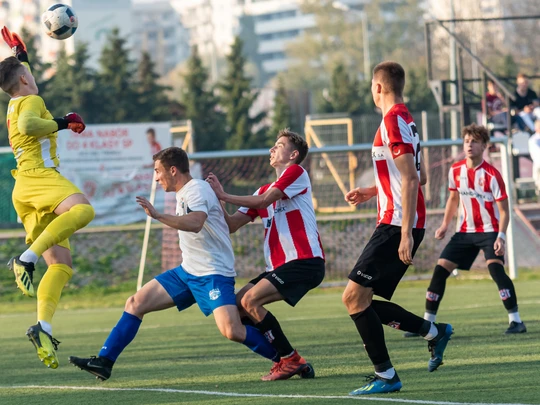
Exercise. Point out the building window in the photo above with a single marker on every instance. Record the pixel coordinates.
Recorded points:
(279, 35)
(276, 16)
(273, 56)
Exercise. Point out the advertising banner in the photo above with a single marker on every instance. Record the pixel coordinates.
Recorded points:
(111, 164)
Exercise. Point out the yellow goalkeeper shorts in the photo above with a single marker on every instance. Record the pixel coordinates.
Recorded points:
(36, 195)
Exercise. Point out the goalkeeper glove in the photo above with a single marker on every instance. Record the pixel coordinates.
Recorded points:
(16, 44)
(71, 121)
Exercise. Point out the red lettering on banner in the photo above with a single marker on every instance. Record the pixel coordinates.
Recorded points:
(113, 133)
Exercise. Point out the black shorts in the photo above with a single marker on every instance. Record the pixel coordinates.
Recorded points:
(294, 279)
(464, 247)
(379, 265)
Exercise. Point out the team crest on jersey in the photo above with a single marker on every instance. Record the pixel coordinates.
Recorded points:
(214, 294)
(481, 182)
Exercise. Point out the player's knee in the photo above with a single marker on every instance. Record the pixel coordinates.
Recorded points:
(247, 302)
(233, 332)
(348, 298)
(356, 300)
(133, 306)
(85, 214)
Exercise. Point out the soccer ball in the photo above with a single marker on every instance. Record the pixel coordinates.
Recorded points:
(60, 21)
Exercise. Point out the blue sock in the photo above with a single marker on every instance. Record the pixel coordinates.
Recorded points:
(121, 336)
(256, 341)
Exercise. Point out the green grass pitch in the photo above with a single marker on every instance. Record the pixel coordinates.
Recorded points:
(182, 358)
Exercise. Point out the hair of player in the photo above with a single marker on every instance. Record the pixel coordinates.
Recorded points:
(151, 131)
(173, 156)
(298, 143)
(392, 76)
(522, 76)
(478, 132)
(10, 70)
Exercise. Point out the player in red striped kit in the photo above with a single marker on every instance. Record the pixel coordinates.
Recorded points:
(292, 247)
(478, 189)
(399, 232)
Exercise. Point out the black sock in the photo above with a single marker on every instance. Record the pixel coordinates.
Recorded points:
(505, 285)
(370, 328)
(397, 317)
(271, 329)
(436, 289)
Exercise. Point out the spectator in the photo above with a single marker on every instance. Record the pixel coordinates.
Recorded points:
(496, 110)
(534, 151)
(526, 100)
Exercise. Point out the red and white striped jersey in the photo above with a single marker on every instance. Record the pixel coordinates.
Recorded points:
(396, 136)
(479, 190)
(290, 228)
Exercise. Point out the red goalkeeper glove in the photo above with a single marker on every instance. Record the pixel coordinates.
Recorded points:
(71, 121)
(15, 42)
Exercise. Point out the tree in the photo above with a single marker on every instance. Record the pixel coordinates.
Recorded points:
(152, 102)
(338, 38)
(237, 97)
(418, 94)
(344, 93)
(117, 72)
(506, 66)
(75, 87)
(36, 63)
(281, 114)
(201, 106)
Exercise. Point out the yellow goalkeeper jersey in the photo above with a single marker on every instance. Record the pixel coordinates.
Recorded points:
(32, 133)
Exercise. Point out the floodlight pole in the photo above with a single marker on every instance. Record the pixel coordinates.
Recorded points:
(365, 32)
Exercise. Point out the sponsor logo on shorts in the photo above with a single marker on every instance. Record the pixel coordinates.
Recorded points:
(214, 294)
(280, 281)
(431, 296)
(367, 276)
(504, 294)
(394, 324)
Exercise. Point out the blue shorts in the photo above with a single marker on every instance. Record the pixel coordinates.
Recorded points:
(209, 292)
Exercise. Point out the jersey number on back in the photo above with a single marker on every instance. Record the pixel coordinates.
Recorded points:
(417, 151)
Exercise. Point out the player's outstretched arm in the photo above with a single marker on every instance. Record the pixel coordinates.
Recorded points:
(192, 222)
(15, 42)
(250, 201)
(236, 221)
(30, 122)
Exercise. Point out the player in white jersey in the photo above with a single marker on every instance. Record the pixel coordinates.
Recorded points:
(478, 188)
(292, 247)
(205, 277)
(400, 229)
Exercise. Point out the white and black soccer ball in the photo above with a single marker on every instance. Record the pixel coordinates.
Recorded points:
(60, 21)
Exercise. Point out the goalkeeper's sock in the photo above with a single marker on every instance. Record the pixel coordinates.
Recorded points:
(50, 289)
(259, 344)
(61, 228)
(121, 336)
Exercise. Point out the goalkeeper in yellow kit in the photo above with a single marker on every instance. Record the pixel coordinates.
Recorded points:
(51, 208)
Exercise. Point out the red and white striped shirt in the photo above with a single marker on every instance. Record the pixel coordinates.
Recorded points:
(290, 228)
(479, 190)
(396, 136)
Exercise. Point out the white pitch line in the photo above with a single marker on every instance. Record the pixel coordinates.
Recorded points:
(245, 395)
